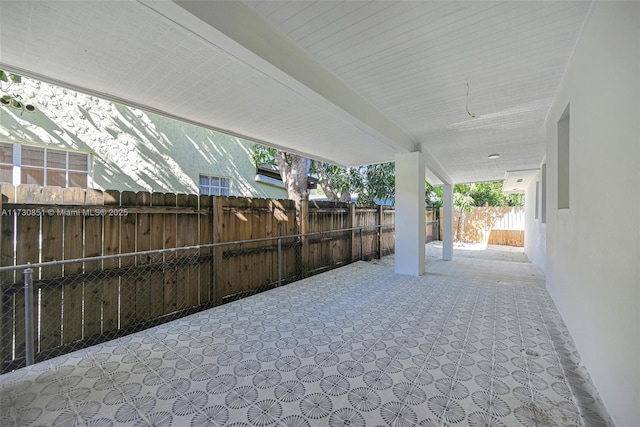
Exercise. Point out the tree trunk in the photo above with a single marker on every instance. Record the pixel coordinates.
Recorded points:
(294, 171)
(323, 180)
(345, 197)
(459, 226)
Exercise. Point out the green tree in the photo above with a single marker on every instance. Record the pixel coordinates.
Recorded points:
(433, 195)
(466, 196)
(490, 194)
(482, 194)
(293, 168)
(463, 203)
(378, 184)
(6, 81)
(373, 183)
(336, 182)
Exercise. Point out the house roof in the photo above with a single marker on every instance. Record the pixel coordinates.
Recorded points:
(273, 173)
(348, 82)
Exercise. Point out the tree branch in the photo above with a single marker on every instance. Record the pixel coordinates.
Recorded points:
(323, 180)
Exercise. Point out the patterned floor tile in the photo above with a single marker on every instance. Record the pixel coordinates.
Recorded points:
(474, 342)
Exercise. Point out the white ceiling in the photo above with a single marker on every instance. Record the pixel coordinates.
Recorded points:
(352, 82)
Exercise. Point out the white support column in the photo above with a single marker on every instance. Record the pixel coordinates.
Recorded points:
(410, 214)
(447, 222)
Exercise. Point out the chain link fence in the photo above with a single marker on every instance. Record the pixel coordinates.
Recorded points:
(57, 307)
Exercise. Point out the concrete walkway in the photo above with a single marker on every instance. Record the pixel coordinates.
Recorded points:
(475, 342)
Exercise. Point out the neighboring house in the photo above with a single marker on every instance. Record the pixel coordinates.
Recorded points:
(77, 140)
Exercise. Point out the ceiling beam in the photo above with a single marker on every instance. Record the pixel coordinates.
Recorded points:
(148, 109)
(238, 30)
(435, 171)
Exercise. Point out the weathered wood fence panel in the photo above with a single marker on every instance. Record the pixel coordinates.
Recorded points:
(329, 249)
(242, 268)
(367, 240)
(432, 230)
(494, 225)
(388, 235)
(506, 237)
(83, 303)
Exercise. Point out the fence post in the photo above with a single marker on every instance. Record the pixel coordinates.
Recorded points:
(2, 320)
(304, 229)
(213, 211)
(361, 257)
(28, 316)
(440, 224)
(1, 290)
(379, 220)
(279, 261)
(3, 337)
(351, 223)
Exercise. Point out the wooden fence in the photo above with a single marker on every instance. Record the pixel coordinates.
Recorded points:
(432, 230)
(83, 303)
(493, 225)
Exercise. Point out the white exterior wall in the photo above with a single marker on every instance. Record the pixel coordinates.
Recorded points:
(410, 218)
(131, 149)
(447, 222)
(535, 232)
(593, 249)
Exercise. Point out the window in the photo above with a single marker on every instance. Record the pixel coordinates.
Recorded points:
(215, 185)
(44, 166)
(6, 162)
(537, 199)
(564, 160)
(543, 199)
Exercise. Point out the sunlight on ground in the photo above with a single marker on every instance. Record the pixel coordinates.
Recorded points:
(433, 251)
(479, 251)
(462, 246)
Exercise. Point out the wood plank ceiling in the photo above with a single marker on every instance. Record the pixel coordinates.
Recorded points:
(353, 82)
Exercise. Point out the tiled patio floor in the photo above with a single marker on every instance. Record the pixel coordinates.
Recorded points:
(475, 342)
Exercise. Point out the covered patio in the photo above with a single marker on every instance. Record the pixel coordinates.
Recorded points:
(541, 95)
(476, 342)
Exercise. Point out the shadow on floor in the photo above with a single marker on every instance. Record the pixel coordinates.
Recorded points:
(476, 342)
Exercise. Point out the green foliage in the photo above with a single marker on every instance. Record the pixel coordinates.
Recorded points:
(374, 183)
(515, 200)
(263, 155)
(339, 179)
(378, 184)
(12, 100)
(490, 194)
(10, 77)
(476, 194)
(463, 201)
(433, 195)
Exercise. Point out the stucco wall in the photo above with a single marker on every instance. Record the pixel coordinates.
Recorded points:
(535, 232)
(593, 248)
(131, 149)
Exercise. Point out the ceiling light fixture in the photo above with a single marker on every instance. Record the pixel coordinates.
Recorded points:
(494, 156)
